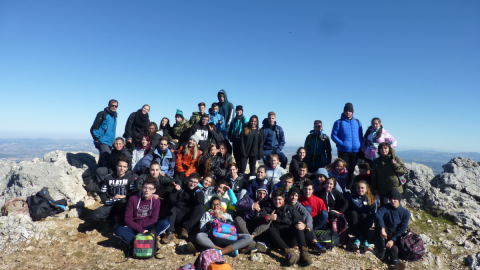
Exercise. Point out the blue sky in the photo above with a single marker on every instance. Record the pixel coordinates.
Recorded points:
(414, 64)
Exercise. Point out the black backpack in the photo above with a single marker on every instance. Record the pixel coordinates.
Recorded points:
(42, 205)
(328, 238)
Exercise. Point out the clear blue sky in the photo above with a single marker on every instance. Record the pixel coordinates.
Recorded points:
(414, 64)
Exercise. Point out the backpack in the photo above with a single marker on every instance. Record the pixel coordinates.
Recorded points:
(223, 234)
(42, 205)
(340, 226)
(144, 245)
(206, 258)
(328, 238)
(187, 267)
(411, 247)
(219, 266)
(15, 206)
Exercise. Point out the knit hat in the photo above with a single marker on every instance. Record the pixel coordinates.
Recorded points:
(394, 194)
(294, 189)
(179, 113)
(239, 107)
(348, 107)
(263, 187)
(195, 137)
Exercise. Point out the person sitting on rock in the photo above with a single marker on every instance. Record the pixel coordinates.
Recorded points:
(274, 172)
(286, 183)
(139, 153)
(302, 175)
(164, 156)
(217, 164)
(188, 201)
(236, 181)
(225, 246)
(287, 227)
(334, 200)
(320, 181)
(252, 185)
(115, 189)
(141, 214)
(314, 205)
(187, 157)
(362, 207)
(207, 185)
(391, 221)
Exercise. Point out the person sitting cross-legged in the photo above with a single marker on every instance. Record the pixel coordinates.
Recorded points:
(141, 214)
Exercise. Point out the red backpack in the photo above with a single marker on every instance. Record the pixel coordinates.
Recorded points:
(340, 226)
(411, 247)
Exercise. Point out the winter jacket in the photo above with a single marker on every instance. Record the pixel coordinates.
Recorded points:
(319, 150)
(273, 136)
(314, 202)
(349, 136)
(115, 154)
(226, 109)
(238, 184)
(274, 175)
(113, 185)
(195, 118)
(218, 165)
(186, 198)
(162, 183)
(202, 132)
(307, 218)
(135, 130)
(141, 212)
(333, 200)
(342, 177)
(185, 163)
(298, 181)
(287, 216)
(104, 127)
(370, 142)
(236, 128)
(208, 218)
(177, 131)
(218, 120)
(316, 184)
(215, 137)
(293, 167)
(384, 174)
(360, 205)
(244, 206)
(166, 160)
(251, 145)
(138, 154)
(394, 218)
(253, 185)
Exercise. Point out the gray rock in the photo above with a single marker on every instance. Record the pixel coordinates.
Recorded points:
(16, 229)
(473, 261)
(438, 262)
(6, 167)
(257, 257)
(427, 240)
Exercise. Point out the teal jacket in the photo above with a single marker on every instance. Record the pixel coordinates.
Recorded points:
(236, 128)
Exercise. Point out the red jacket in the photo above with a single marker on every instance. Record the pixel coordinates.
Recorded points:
(185, 163)
(314, 202)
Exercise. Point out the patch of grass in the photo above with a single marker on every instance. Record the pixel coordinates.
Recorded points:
(421, 226)
(78, 254)
(436, 250)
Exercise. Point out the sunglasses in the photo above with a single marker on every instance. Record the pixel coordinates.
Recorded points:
(116, 106)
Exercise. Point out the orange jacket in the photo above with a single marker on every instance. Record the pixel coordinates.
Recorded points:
(185, 163)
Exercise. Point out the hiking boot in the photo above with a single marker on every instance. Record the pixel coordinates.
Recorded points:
(248, 248)
(367, 247)
(261, 247)
(167, 238)
(305, 257)
(318, 248)
(191, 248)
(398, 266)
(184, 233)
(290, 257)
(355, 245)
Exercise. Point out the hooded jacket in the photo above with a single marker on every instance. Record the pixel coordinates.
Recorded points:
(316, 185)
(287, 216)
(195, 118)
(104, 127)
(134, 130)
(333, 200)
(251, 145)
(166, 160)
(349, 136)
(185, 163)
(394, 218)
(319, 150)
(216, 118)
(273, 136)
(226, 108)
(236, 128)
(244, 206)
(202, 132)
(370, 142)
(141, 212)
(177, 130)
(384, 174)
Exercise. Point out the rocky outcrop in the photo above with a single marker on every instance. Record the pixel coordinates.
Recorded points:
(63, 173)
(15, 229)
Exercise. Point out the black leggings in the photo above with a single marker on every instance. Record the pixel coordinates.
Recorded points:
(189, 217)
(252, 163)
(360, 224)
(291, 235)
(393, 251)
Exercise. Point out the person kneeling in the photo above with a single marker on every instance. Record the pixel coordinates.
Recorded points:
(287, 225)
(141, 214)
(222, 245)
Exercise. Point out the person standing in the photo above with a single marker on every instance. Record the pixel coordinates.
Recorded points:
(217, 119)
(178, 132)
(375, 135)
(318, 148)
(200, 129)
(347, 133)
(103, 132)
(197, 116)
(234, 133)
(225, 108)
(135, 127)
(273, 139)
(251, 145)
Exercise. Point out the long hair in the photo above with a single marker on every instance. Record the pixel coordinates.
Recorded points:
(168, 123)
(186, 150)
(147, 131)
(247, 129)
(208, 163)
(334, 164)
(380, 130)
(204, 153)
(147, 148)
(368, 193)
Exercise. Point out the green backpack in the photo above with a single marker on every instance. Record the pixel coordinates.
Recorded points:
(328, 238)
(144, 245)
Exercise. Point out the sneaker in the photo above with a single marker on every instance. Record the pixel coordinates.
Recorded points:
(261, 247)
(184, 233)
(167, 238)
(318, 248)
(367, 247)
(356, 244)
(254, 250)
(219, 251)
(191, 248)
(248, 248)
(234, 253)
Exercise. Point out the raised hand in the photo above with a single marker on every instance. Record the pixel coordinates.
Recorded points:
(177, 187)
(272, 216)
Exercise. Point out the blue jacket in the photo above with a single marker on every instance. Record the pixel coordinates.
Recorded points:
(273, 137)
(360, 205)
(236, 128)
(349, 136)
(167, 162)
(394, 218)
(104, 127)
(216, 117)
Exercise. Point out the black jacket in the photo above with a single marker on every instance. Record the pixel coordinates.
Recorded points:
(113, 185)
(333, 200)
(251, 145)
(293, 169)
(218, 165)
(202, 132)
(287, 216)
(163, 182)
(134, 130)
(116, 154)
(298, 182)
(215, 137)
(240, 183)
(187, 198)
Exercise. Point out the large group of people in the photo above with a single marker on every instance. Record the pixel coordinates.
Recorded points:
(188, 177)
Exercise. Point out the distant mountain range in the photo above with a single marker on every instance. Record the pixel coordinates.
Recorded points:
(28, 149)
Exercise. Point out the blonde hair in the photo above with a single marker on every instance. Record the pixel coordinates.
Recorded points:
(186, 151)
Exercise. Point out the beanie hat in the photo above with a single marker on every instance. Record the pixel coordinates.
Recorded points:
(348, 107)
(179, 113)
(394, 194)
(195, 137)
(239, 107)
(294, 189)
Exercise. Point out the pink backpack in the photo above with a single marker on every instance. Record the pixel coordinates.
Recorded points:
(206, 258)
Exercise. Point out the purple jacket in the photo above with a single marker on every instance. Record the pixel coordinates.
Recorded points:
(244, 207)
(141, 213)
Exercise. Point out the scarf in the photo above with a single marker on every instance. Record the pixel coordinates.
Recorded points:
(141, 120)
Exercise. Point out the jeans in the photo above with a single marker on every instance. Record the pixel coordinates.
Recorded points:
(281, 156)
(351, 159)
(127, 234)
(319, 220)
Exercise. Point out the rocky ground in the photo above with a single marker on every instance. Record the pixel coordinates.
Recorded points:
(71, 241)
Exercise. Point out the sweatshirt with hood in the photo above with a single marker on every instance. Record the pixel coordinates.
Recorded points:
(244, 206)
(273, 136)
(141, 212)
(217, 119)
(202, 132)
(226, 109)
